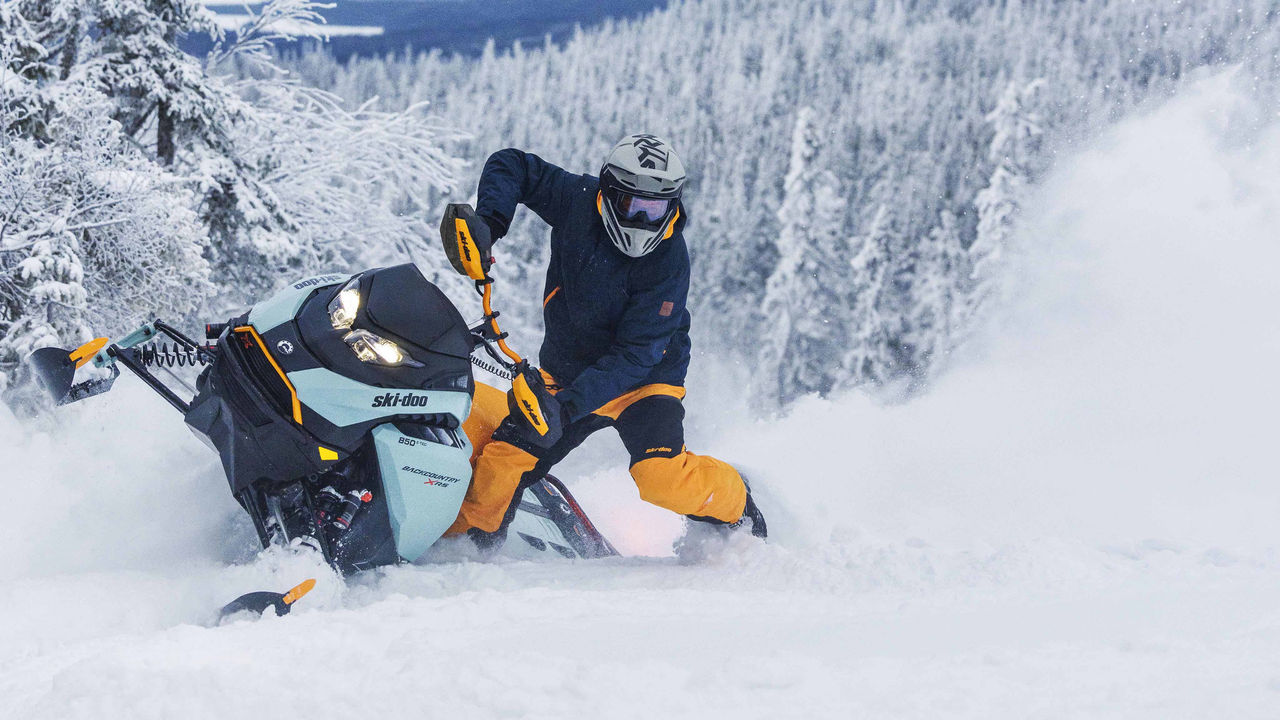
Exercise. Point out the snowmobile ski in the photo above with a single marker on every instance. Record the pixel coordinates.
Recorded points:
(258, 602)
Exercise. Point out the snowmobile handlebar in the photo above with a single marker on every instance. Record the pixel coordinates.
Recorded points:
(469, 247)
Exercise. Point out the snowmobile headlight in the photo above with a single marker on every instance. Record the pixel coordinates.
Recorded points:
(378, 350)
(343, 308)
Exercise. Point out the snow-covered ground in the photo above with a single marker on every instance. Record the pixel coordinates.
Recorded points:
(1077, 520)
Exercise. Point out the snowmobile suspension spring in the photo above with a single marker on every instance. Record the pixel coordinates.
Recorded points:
(175, 355)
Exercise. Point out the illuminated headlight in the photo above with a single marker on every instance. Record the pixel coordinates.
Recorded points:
(342, 311)
(371, 348)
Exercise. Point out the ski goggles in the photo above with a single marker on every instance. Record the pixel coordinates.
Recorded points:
(651, 211)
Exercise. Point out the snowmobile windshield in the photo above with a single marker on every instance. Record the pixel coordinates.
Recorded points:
(642, 210)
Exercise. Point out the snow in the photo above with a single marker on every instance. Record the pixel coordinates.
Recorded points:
(295, 28)
(1077, 520)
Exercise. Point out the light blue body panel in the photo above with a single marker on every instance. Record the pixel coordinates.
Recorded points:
(424, 482)
(283, 306)
(343, 401)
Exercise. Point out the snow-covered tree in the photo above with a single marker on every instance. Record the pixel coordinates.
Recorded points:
(154, 84)
(803, 298)
(938, 292)
(353, 186)
(868, 357)
(1017, 130)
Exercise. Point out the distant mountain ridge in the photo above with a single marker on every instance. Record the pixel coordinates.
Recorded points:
(453, 26)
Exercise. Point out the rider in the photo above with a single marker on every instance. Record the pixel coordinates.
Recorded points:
(617, 335)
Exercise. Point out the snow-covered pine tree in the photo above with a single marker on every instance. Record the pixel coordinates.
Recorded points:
(154, 84)
(937, 293)
(800, 342)
(868, 356)
(33, 34)
(290, 181)
(1016, 131)
(187, 118)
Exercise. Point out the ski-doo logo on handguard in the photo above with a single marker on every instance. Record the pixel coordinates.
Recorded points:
(391, 400)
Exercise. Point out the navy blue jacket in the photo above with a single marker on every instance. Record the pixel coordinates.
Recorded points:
(613, 323)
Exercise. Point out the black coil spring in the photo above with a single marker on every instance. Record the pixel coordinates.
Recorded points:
(175, 355)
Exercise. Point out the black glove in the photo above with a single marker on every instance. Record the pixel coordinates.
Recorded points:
(468, 241)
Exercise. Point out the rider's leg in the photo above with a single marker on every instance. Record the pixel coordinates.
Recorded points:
(505, 466)
(670, 476)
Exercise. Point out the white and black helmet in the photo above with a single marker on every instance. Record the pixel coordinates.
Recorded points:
(640, 186)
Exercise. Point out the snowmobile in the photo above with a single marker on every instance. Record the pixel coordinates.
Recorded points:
(338, 406)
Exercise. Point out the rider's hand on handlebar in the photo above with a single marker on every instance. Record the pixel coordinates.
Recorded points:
(468, 241)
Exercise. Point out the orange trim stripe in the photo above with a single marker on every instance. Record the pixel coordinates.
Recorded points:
(614, 408)
(293, 394)
(672, 227)
(548, 298)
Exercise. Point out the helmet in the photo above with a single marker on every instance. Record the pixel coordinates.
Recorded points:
(639, 200)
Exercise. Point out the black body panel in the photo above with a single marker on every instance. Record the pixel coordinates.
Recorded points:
(249, 421)
(398, 304)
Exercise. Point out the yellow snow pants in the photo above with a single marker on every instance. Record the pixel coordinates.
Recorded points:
(650, 421)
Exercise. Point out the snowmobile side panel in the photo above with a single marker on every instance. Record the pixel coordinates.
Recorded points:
(424, 483)
(281, 307)
(343, 401)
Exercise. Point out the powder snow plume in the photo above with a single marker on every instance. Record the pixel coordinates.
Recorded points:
(1128, 387)
(1076, 520)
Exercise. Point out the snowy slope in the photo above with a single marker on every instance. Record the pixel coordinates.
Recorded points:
(1078, 520)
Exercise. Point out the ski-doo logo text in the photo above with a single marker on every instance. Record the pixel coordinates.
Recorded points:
(323, 279)
(399, 400)
(432, 478)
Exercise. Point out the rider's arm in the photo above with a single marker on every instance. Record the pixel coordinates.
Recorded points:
(654, 313)
(513, 176)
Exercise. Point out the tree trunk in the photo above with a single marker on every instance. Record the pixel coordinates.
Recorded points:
(71, 46)
(164, 133)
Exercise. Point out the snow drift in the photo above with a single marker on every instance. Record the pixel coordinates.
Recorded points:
(1076, 520)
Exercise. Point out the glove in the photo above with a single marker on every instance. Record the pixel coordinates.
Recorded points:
(534, 415)
(467, 240)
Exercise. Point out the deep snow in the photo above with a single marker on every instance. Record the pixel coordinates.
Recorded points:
(1077, 520)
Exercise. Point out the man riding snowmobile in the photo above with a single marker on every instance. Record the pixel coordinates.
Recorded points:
(617, 336)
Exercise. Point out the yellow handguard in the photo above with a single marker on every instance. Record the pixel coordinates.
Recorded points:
(458, 232)
(527, 403)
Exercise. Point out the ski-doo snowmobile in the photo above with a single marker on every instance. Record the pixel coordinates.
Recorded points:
(339, 409)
